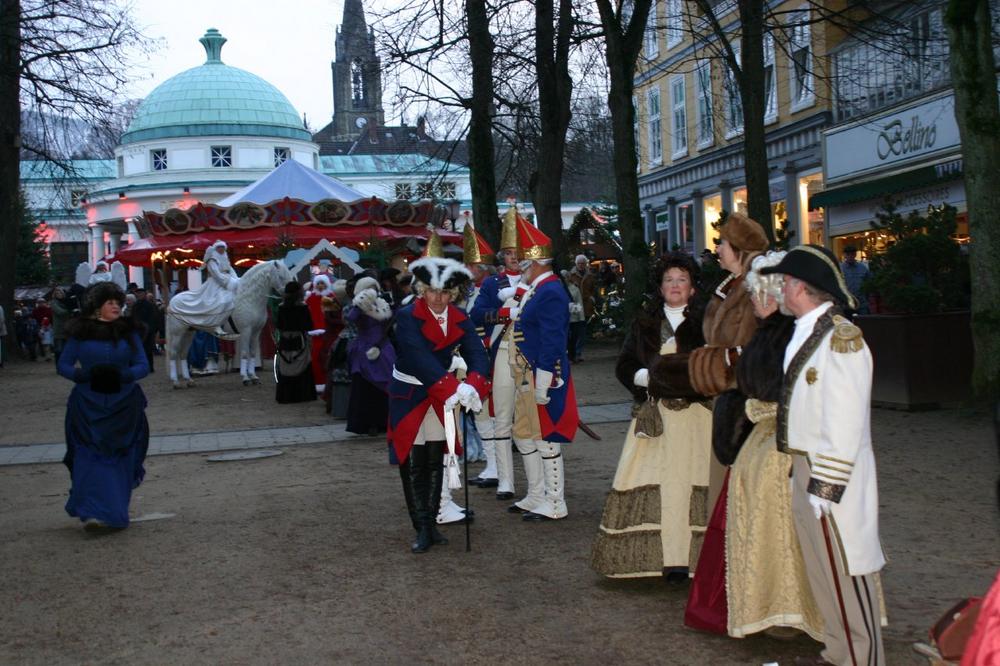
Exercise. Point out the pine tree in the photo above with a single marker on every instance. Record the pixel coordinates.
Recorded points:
(32, 249)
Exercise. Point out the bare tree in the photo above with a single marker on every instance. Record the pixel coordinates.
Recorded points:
(623, 36)
(58, 58)
(977, 111)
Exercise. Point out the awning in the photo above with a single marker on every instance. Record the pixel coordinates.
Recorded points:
(139, 252)
(882, 187)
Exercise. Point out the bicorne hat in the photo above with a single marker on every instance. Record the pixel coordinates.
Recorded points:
(817, 266)
(439, 272)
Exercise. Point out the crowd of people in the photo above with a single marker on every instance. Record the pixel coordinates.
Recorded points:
(747, 469)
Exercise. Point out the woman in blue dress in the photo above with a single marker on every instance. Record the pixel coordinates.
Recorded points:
(106, 429)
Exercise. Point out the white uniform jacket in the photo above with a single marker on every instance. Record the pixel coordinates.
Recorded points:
(825, 414)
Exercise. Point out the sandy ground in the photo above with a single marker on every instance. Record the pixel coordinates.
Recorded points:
(303, 558)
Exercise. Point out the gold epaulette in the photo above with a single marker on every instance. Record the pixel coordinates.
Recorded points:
(846, 336)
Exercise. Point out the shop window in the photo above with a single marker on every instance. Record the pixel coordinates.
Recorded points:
(703, 86)
(679, 108)
(654, 127)
(222, 156)
(685, 227)
(281, 155)
(158, 158)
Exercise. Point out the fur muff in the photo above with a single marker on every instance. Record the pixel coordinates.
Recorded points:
(761, 368)
(373, 305)
(641, 348)
(729, 322)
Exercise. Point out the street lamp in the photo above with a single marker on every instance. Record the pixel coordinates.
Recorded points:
(453, 209)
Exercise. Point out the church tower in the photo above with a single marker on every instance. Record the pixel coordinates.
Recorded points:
(357, 75)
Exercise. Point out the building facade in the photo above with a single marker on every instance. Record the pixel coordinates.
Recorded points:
(689, 125)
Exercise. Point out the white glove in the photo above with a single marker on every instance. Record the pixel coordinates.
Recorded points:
(316, 331)
(641, 378)
(820, 506)
(373, 353)
(469, 397)
(450, 403)
(506, 293)
(543, 380)
(457, 363)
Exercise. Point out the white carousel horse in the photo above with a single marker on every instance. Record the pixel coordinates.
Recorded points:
(249, 314)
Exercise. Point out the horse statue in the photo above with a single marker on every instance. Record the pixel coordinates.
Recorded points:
(249, 314)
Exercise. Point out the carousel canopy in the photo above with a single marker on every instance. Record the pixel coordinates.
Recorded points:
(293, 180)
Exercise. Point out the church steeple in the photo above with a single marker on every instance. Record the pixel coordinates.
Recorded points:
(357, 75)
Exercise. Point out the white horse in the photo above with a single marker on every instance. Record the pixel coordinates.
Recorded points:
(249, 314)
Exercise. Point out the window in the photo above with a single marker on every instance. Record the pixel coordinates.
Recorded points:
(446, 190)
(425, 191)
(159, 159)
(635, 132)
(734, 103)
(679, 107)
(655, 141)
(651, 44)
(222, 156)
(404, 191)
(626, 14)
(800, 53)
(675, 22)
(770, 81)
(76, 197)
(281, 155)
(703, 86)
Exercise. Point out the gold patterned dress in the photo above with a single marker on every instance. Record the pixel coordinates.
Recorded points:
(655, 515)
(766, 583)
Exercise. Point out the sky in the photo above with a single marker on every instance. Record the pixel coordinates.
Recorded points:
(289, 43)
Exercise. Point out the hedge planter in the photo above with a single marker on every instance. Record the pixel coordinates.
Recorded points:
(921, 361)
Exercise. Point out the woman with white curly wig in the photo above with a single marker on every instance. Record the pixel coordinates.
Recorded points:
(766, 587)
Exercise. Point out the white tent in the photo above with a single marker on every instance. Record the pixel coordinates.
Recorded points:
(294, 180)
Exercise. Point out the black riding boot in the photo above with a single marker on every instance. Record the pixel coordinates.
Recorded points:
(404, 475)
(420, 487)
(435, 459)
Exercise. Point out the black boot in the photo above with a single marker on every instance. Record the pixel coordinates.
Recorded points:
(404, 476)
(435, 459)
(420, 486)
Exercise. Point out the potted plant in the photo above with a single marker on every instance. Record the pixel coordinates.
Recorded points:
(920, 336)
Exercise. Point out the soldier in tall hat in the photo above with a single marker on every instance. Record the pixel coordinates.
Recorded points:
(824, 423)
(492, 313)
(435, 339)
(545, 413)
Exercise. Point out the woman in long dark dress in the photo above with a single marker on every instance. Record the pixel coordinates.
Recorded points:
(293, 357)
(107, 434)
(371, 357)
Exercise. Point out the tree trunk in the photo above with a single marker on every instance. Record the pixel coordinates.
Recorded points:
(555, 88)
(977, 111)
(751, 84)
(622, 50)
(482, 178)
(10, 144)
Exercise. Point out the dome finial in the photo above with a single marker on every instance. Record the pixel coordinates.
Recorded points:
(213, 41)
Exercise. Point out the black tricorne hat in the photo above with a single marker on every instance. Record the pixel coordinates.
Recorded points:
(293, 289)
(817, 266)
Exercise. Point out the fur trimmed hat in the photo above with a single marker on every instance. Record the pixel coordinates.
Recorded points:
(439, 273)
(99, 294)
(366, 282)
(743, 233)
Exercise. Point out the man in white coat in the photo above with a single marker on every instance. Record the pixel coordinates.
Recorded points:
(823, 422)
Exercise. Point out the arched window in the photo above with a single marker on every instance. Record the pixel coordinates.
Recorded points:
(357, 81)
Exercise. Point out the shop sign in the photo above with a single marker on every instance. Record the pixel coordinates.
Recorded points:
(893, 138)
(663, 221)
(856, 217)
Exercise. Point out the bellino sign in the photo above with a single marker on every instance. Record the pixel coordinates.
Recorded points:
(895, 138)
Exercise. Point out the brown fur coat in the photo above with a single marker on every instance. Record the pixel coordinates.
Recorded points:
(729, 323)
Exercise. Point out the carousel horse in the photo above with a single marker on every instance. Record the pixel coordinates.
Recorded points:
(248, 316)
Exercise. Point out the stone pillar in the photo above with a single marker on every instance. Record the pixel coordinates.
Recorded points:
(135, 273)
(698, 222)
(798, 218)
(726, 193)
(115, 241)
(673, 232)
(649, 223)
(96, 244)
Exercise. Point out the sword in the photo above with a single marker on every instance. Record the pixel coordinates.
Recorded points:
(588, 431)
(836, 584)
(465, 463)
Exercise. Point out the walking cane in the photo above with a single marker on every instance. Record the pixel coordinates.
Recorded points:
(836, 584)
(465, 471)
